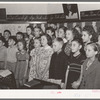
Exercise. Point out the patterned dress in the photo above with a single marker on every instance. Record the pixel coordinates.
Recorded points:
(35, 53)
(44, 61)
(21, 65)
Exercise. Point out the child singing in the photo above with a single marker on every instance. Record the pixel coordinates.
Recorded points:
(22, 63)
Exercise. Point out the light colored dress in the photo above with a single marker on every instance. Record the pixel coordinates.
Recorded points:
(35, 53)
(44, 60)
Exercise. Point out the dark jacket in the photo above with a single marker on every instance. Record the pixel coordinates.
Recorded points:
(58, 66)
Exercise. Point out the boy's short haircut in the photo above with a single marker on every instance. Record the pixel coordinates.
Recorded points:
(13, 38)
(8, 32)
(20, 33)
(30, 27)
(51, 29)
(60, 40)
(38, 28)
(2, 39)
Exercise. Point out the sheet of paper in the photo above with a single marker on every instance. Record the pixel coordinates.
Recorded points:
(4, 73)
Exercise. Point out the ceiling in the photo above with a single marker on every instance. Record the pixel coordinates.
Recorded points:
(43, 8)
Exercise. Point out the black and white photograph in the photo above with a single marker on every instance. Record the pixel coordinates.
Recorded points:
(71, 11)
(50, 46)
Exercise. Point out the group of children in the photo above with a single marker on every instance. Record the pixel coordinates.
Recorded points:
(65, 56)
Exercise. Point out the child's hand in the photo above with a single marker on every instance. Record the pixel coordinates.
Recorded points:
(63, 86)
(75, 84)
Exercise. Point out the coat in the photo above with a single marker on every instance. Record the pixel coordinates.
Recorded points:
(58, 66)
(91, 77)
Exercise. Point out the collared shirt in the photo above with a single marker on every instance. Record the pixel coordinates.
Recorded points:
(64, 40)
(11, 54)
(3, 53)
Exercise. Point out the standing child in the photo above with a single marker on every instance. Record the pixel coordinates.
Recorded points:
(6, 35)
(11, 54)
(35, 53)
(76, 59)
(61, 33)
(59, 62)
(51, 32)
(22, 63)
(37, 32)
(91, 68)
(90, 76)
(88, 35)
(19, 36)
(3, 54)
(29, 32)
(45, 57)
(70, 35)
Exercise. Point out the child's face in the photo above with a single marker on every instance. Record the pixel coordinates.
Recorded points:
(49, 32)
(36, 32)
(75, 46)
(20, 46)
(69, 35)
(56, 46)
(1, 43)
(85, 37)
(11, 42)
(44, 41)
(6, 35)
(61, 33)
(19, 37)
(90, 51)
(28, 31)
(37, 43)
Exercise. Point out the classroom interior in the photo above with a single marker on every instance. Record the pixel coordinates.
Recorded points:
(16, 17)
